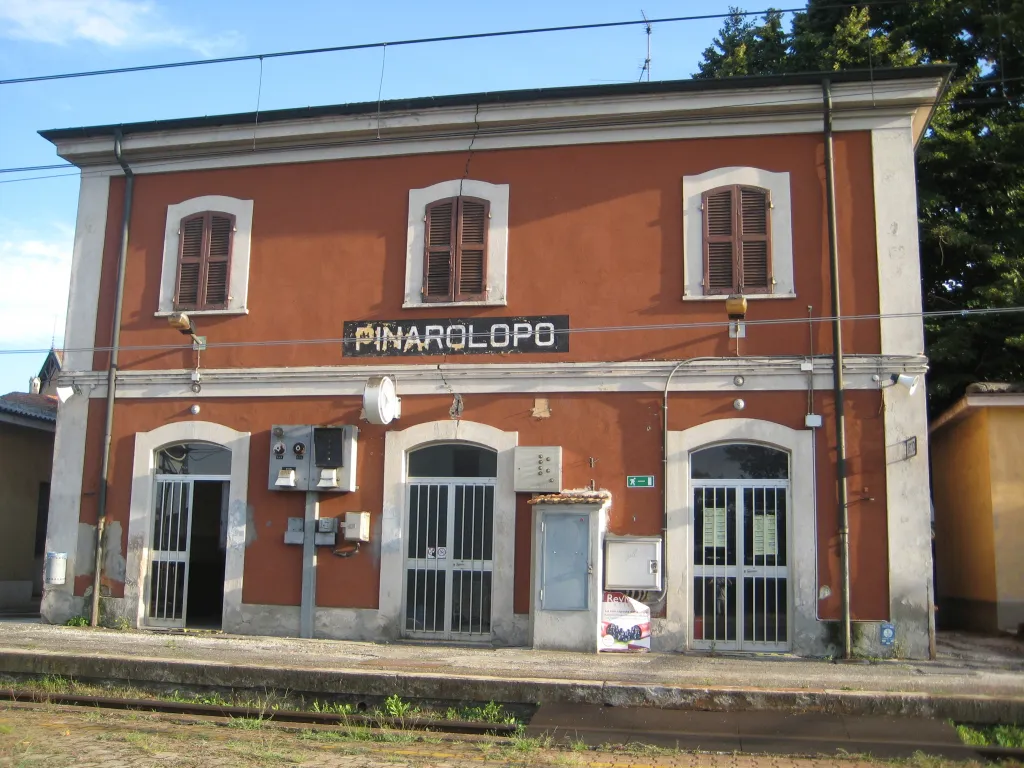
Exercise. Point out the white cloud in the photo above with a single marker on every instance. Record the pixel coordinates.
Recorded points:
(34, 291)
(114, 23)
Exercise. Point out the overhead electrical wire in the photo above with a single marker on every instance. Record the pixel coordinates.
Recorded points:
(812, 103)
(597, 329)
(416, 41)
(439, 39)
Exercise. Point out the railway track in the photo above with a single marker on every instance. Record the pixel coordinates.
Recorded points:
(782, 743)
(413, 722)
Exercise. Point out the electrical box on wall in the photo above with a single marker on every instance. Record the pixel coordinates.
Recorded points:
(304, 457)
(632, 562)
(357, 526)
(538, 469)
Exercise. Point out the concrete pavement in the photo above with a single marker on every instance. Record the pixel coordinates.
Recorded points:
(973, 680)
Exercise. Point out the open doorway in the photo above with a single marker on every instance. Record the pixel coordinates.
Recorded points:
(190, 522)
(206, 554)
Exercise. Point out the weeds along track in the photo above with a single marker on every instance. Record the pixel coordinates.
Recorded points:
(414, 722)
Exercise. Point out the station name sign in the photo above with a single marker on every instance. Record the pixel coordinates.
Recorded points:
(456, 336)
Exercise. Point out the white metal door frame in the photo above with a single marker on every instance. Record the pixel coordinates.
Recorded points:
(160, 596)
(438, 560)
(733, 495)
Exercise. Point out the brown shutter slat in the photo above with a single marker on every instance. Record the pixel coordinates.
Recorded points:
(216, 285)
(719, 241)
(190, 258)
(755, 240)
(755, 264)
(718, 213)
(218, 261)
(719, 268)
(188, 286)
(471, 260)
(439, 255)
(220, 236)
(754, 207)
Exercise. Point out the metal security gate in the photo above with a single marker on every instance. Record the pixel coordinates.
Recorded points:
(168, 561)
(448, 565)
(171, 547)
(741, 578)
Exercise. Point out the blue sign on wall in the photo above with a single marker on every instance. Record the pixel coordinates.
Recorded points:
(888, 633)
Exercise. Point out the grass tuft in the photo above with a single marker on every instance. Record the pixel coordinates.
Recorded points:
(992, 735)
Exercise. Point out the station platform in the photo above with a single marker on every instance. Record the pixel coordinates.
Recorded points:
(974, 679)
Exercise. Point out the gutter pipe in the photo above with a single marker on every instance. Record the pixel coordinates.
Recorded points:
(837, 370)
(115, 339)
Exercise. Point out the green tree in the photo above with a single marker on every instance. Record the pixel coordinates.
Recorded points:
(970, 162)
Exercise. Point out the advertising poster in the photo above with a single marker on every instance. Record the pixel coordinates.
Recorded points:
(625, 624)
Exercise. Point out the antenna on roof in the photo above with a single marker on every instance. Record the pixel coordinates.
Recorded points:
(647, 62)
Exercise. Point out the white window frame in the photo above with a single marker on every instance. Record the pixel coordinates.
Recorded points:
(497, 240)
(777, 185)
(238, 280)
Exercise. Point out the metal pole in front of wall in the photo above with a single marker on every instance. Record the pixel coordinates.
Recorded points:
(307, 612)
(115, 341)
(837, 370)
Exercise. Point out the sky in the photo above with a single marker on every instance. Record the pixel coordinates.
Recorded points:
(38, 37)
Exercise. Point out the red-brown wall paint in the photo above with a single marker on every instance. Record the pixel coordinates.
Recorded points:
(595, 232)
(621, 431)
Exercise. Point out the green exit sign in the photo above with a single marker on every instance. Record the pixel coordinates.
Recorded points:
(639, 481)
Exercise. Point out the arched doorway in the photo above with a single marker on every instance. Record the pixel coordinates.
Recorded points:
(740, 513)
(189, 536)
(449, 542)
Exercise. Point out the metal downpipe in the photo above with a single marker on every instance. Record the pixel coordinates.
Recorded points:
(115, 339)
(837, 370)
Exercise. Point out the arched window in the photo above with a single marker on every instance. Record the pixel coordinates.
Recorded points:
(204, 260)
(739, 461)
(193, 459)
(737, 240)
(453, 460)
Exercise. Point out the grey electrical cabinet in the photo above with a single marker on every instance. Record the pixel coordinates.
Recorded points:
(566, 567)
(304, 457)
(566, 575)
(632, 562)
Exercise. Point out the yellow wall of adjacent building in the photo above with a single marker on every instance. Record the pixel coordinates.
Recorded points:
(964, 537)
(26, 457)
(1006, 459)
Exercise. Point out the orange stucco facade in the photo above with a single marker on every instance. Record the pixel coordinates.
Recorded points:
(329, 244)
(595, 233)
(599, 232)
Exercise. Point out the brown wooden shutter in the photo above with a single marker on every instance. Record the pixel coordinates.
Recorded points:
(439, 252)
(471, 256)
(755, 240)
(204, 261)
(719, 241)
(190, 261)
(218, 262)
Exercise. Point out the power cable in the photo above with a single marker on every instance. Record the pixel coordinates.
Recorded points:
(980, 82)
(812, 102)
(596, 329)
(423, 40)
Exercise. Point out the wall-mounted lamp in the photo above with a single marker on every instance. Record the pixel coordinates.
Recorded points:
(64, 393)
(908, 381)
(736, 309)
(183, 324)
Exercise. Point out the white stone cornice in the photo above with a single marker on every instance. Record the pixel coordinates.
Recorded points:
(696, 375)
(550, 121)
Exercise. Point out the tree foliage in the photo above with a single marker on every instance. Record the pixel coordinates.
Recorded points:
(970, 163)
